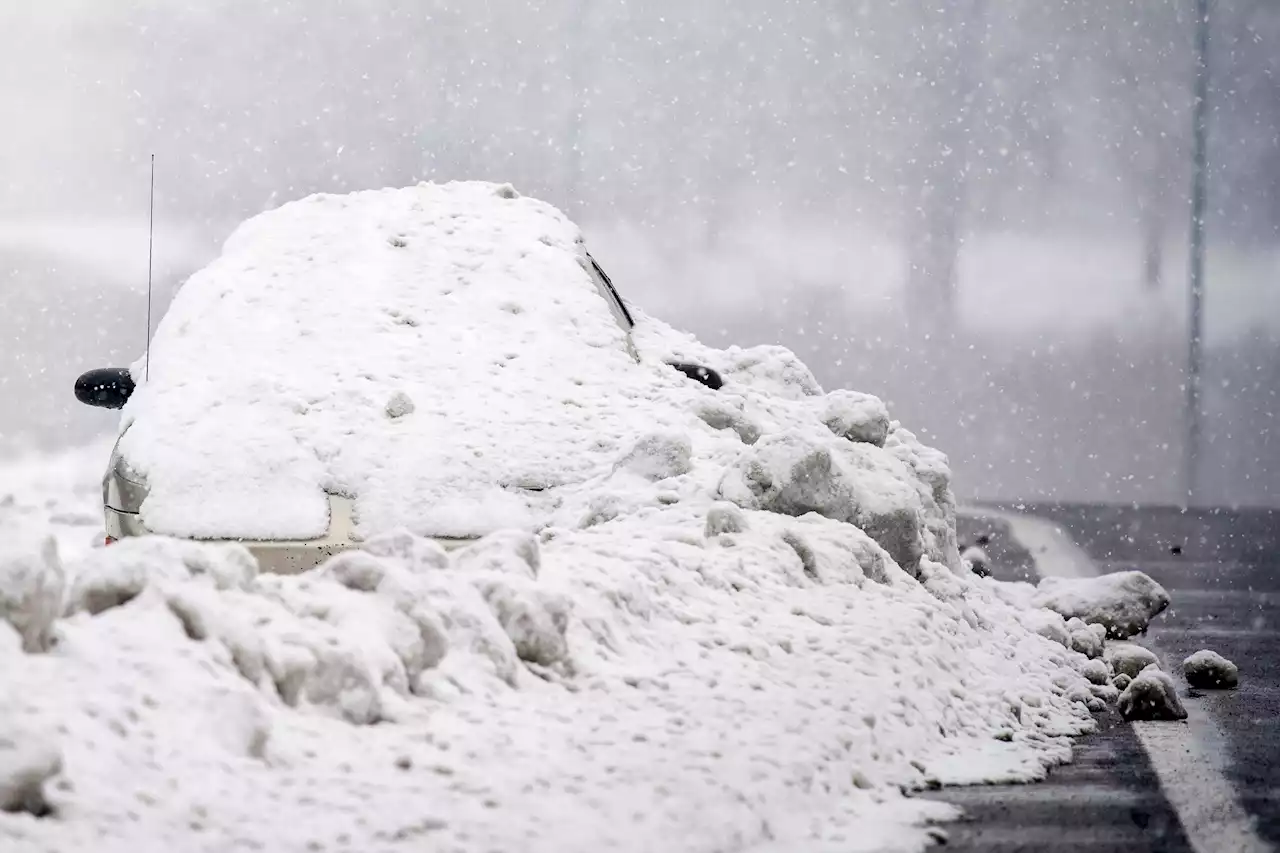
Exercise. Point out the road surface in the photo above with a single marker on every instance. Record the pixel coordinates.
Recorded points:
(1209, 785)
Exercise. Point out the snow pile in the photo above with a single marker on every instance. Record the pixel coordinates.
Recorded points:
(688, 678)
(1123, 602)
(1209, 670)
(698, 620)
(1118, 672)
(443, 355)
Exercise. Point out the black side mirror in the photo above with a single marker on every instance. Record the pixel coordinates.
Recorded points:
(698, 373)
(106, 387)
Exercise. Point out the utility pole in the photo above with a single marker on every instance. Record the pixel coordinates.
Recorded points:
(1195, 317)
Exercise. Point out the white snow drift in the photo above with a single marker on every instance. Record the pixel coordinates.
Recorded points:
(708, 620)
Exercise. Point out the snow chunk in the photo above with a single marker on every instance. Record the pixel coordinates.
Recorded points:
(1095, 671)
(723, 518)
(115, 576)
(1084, 639)
(855, 483)
(32, 585)
(399, 405)
(658, 457)
(1120, 681)
(721, 414)
(534, 619)
(1123, 602)
(1129, 659)
(856, 417)
(1108, 693)
(1151, 696)
(1209, 670)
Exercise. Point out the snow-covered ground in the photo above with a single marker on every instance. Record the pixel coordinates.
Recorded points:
(750, 629)
(658, 684)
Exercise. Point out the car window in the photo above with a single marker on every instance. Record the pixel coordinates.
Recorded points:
(610, 294)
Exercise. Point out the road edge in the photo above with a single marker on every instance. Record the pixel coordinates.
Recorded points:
(1186, 757)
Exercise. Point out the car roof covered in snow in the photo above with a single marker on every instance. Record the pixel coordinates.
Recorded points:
(442, 355)
(437, 337)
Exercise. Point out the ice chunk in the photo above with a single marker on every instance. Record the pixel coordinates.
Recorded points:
(1151, 696)
(1209, 670)
(1123, 602)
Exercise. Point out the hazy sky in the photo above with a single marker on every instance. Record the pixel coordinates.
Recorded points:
(1027, 151)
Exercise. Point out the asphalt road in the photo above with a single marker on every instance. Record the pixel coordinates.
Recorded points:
(1222, 569)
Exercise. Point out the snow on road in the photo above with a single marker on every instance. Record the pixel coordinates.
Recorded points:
(650, 684)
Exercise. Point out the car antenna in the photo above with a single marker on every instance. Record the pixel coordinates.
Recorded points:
(151, 234)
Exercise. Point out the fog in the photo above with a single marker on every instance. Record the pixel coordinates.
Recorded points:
(977, 209)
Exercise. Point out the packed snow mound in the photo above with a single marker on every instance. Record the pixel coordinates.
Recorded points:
(443, 355)
(1152, 695)
(1123, 602)
(614, 676)
(1208, 670)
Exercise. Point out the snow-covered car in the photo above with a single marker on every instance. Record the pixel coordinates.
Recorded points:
(424, 358)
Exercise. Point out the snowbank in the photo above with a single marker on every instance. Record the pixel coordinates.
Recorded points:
(773, 682)
(1123, 602)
